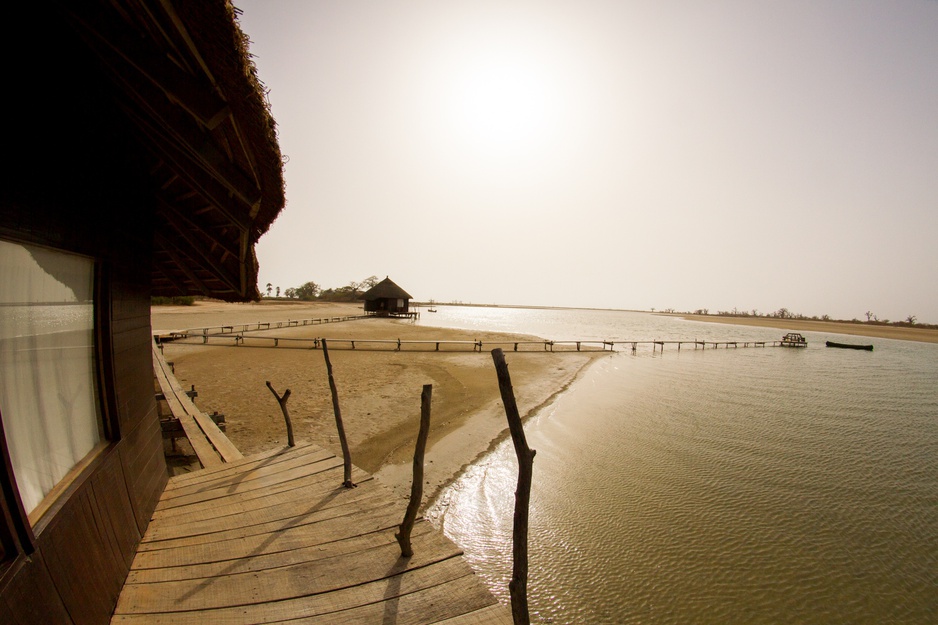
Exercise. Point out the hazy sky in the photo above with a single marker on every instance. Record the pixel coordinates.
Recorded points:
(614, 154)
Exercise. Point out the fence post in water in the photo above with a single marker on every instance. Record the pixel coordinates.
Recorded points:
(416, 487)
(282, 400)
(346, 454)
(518, 586)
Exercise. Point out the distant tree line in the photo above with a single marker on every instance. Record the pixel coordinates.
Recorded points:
(784, 313)
(311, 291)
(176, 300)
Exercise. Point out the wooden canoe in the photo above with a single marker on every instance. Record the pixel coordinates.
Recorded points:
(868, 348)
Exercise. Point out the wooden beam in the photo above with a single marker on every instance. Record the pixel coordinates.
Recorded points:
(171, 120)
(207, 456)
(196, 146)
(183, 227)
(182, 163)
(161, 269)
(166, 246)
(125, 54)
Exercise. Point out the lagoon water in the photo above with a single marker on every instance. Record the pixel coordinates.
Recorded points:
(760, 485)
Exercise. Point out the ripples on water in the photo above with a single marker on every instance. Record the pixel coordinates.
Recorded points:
(722, 486)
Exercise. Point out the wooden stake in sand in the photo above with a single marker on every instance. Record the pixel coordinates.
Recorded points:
(416, 487)
(518, 586)
(282, 400)
(346, 454)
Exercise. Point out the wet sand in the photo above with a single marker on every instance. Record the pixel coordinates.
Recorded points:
(379, 388)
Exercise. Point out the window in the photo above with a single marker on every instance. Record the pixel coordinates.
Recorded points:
(48, 396)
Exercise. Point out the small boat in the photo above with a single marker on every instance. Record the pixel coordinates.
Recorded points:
(793, 339)
(868, 348)
(432, 307)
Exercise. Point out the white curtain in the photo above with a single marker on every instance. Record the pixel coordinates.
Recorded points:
(48, 395)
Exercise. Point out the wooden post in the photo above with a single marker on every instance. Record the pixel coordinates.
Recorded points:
(518, 586)
(416, 487)
(346, 454)
(282, 400)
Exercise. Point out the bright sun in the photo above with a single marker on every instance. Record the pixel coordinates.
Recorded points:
(503, 106)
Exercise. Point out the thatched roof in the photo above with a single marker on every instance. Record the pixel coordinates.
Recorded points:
(386, 289)
(183, 76)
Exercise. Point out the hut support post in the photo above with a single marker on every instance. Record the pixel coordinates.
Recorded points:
(346, 454)
(416, 487)
(518, 586)
(282, 400)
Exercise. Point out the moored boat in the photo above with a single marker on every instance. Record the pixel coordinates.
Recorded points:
(868, 348)
(793, 339)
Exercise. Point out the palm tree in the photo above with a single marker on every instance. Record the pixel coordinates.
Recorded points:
(269, 287)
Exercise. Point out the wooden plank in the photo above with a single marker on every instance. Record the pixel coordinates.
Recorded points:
(201, 446)
(265, 485)
(218, 438)
(451, 578)
(430, 605)
(284, 582)
(303, 492)
(337, 500)
(324, 533)
(177, 396)
(81, 565)
(270, 559)
(311, 552)
(229, 474)
(267, 458)
(141, 453)
(113, 501)
(241, 534)
(201, 510)
(31, 595)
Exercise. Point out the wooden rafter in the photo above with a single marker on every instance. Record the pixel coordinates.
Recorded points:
(178, 219)
(185, 228)
(151, 80)
(181, 163)
(185, 267)
(197, 147)
(126, 55)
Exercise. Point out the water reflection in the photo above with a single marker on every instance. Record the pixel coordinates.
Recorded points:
(730, 486)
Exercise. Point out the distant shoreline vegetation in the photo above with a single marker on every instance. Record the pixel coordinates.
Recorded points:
(784, 313)
(178, 300)
(353, 291)
(312, 292)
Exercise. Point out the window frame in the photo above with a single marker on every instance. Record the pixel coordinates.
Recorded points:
(19, 530)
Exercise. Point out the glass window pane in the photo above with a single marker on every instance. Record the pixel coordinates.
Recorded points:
(48, 395)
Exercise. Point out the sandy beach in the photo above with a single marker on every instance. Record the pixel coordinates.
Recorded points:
(925, 335)
(379, 388)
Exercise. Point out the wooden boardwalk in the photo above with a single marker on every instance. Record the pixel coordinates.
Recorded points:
(275, 538)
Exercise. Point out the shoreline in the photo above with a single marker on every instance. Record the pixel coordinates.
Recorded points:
(379, 389)
(922, 335)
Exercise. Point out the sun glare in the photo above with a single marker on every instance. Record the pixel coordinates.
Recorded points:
(502, 106)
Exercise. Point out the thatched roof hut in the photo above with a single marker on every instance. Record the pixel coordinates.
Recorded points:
(182, 75)
(142, 159)
(386, 297)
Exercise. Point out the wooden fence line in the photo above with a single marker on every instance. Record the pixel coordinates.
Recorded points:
(260, 326)
(236, 334)
(238, 339)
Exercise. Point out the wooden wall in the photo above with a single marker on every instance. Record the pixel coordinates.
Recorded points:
(78, 184)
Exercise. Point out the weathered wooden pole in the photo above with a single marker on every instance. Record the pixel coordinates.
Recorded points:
(346, 454)
(416, 487)
(518, 586)
(282, 400)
